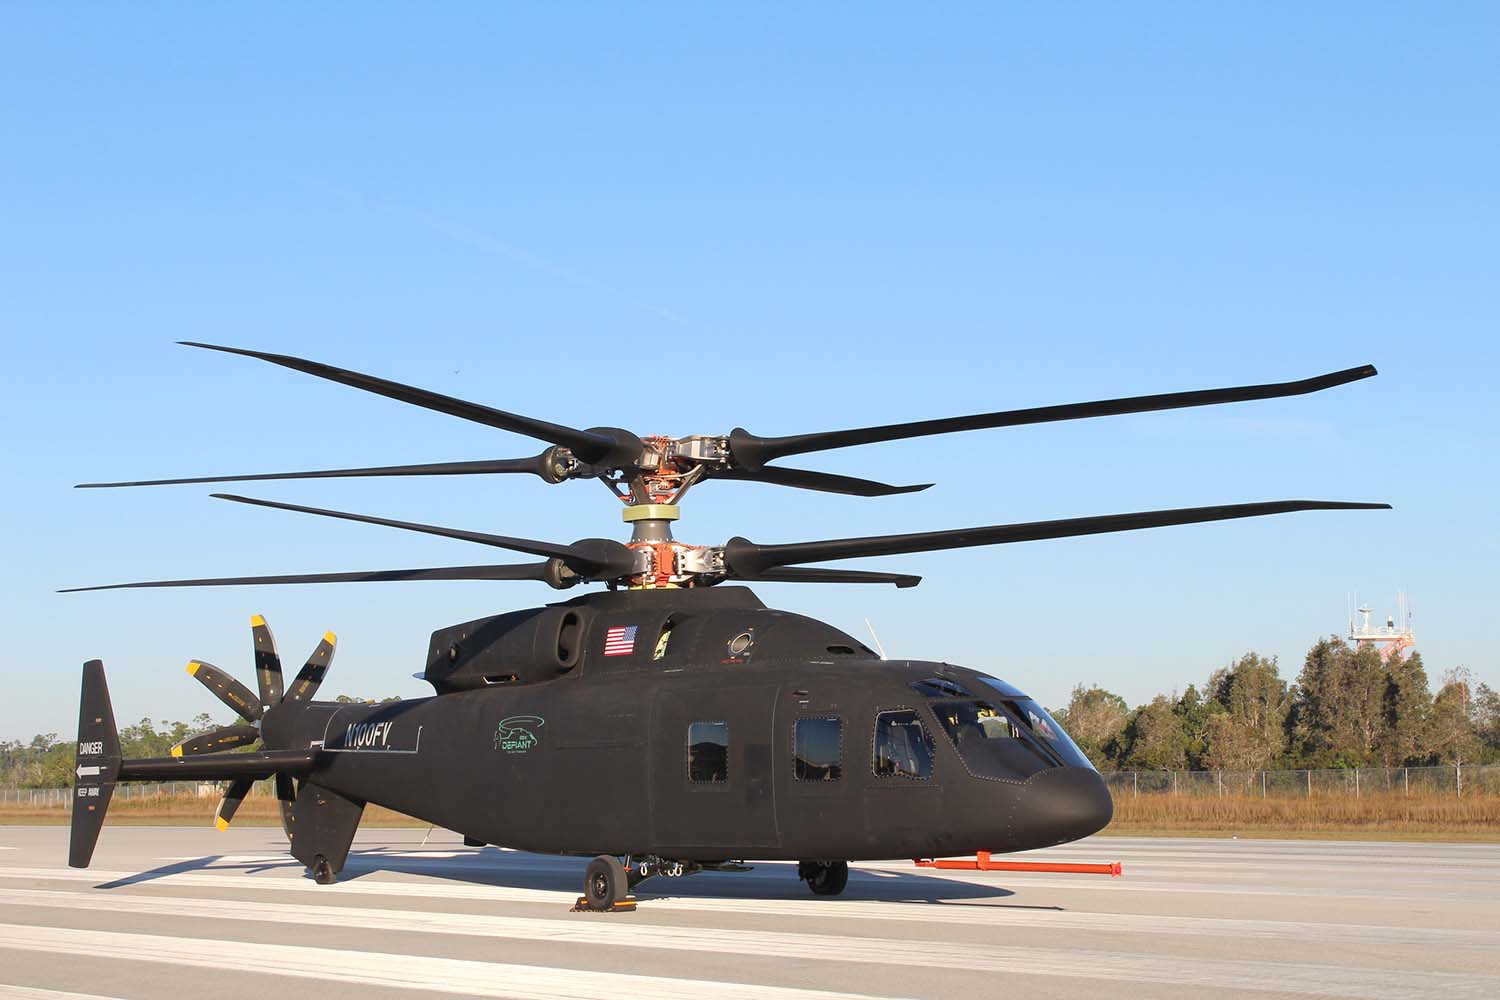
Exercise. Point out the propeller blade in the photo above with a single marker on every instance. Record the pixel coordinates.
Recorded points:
(234, 794)
(596, 447)
(267, 662)
(541, 465)
(592, 558)
(825, 482)
(305, 684)
(545, 571)
(225, 688)
(751, 451)
(745, 559)
(227, 738)
(802, 574)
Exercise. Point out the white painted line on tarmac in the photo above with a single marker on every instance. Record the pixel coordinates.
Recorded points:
(951, 912)
(398, 971)
(8, 992)
(1072, 962)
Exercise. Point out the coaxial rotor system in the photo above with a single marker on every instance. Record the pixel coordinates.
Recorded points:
(651, 474)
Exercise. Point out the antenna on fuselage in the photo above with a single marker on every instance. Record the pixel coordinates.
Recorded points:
(879, 648)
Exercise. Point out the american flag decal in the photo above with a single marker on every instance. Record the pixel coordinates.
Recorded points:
(619, 640)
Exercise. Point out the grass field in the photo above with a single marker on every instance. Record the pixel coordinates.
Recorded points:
(1370, 817)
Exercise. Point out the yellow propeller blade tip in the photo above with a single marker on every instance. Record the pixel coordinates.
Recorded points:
(192, 668)
(221, 824)
(177, 750)
(330, 638)
(257, 620)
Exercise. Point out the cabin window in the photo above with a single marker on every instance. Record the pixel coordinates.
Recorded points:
(708, 752)
(818, 749)
(903, 748)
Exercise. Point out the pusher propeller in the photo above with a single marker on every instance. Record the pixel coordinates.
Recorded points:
(245, 704)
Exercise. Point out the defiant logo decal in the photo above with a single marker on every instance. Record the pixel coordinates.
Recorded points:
(519, 733)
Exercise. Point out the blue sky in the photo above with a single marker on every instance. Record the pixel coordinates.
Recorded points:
(683, 218)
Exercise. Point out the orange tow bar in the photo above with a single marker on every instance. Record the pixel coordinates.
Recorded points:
(983, 864)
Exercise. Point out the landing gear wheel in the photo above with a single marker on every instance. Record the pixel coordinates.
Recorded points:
(322, 871)
(824, 878)
(604, 884)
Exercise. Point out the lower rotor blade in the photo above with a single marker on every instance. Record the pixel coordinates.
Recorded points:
(824, 482)
(305, 685)
(225, 688)
(745, 558)
(568, 553)
(541, 466)
(234, 794)
(227, 738)
(524, 571)
(267, 662)
(799, 574)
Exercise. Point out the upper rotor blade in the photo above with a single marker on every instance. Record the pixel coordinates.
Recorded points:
(536, 466)
(817, 574)
(825, 482)
(586, 563)
(587, 445)
(747, 559)
(267, 662)
(225, 688)
(751, 451)
(524, 571)
(306, 683)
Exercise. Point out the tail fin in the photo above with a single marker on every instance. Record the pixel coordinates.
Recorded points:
(97, 764)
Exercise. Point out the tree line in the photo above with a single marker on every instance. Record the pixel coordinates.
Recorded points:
(1348, 707)
(47, 762)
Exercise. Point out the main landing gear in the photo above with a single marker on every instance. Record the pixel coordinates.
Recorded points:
(608, 882)
(606, 886)
(824, 878)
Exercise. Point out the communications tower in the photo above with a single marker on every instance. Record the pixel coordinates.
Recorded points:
(1392, 639)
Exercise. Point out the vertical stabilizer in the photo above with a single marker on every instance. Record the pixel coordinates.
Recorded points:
(97, 764)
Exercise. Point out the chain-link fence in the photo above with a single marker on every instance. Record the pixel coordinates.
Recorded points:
(57, 798)
(1454, 780)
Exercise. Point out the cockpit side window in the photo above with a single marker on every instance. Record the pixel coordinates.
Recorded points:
(903, 747)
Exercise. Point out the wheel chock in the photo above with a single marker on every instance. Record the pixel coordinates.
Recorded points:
(626, 905)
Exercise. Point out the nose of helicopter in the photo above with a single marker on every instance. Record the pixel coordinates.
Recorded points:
(1063, 804)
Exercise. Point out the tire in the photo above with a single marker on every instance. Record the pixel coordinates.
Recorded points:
(322, 871)
(825, 878)
(604, 883)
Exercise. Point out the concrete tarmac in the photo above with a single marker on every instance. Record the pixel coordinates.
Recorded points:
(171, 912)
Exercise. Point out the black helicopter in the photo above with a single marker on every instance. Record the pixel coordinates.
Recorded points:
(669, 724)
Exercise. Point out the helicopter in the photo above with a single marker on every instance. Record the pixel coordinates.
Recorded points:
(670, 723)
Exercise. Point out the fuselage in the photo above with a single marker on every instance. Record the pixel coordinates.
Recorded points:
(747, 733)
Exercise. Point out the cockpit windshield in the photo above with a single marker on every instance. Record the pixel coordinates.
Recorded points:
(1047, 728)
(993, 742)
(1008, 741)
